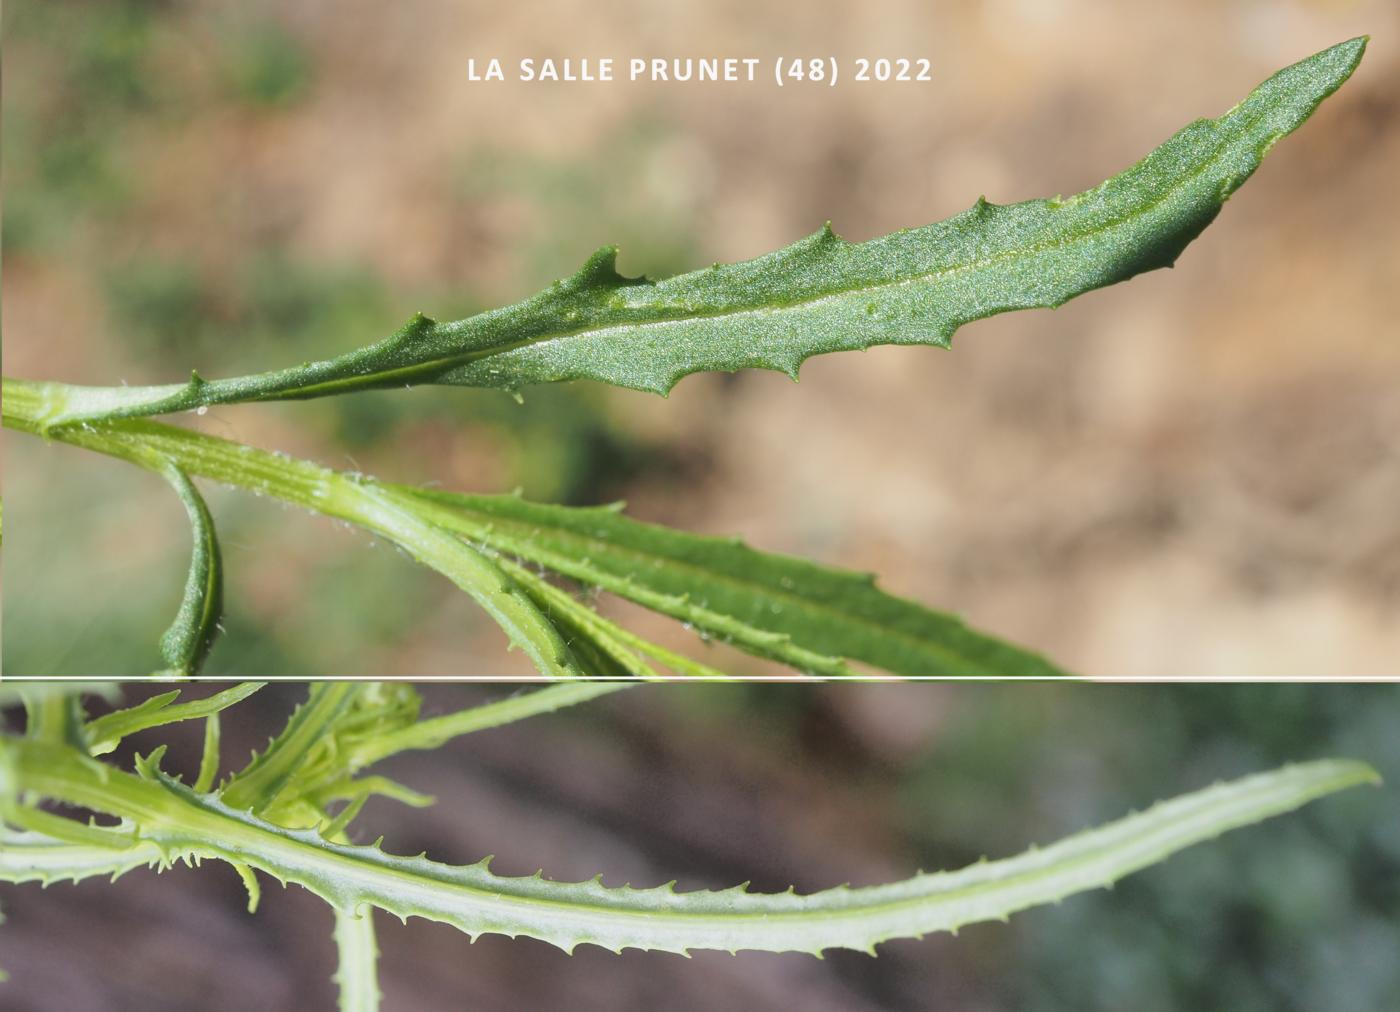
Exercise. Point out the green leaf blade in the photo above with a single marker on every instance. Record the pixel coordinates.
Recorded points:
(811, 616)
(912, 287)
(103, 734)
(191, 635)
(256, 787)
(37, 857)
(570, 914)
(476, 901)
(820, 295)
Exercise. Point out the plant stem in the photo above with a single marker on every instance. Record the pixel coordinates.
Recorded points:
(359, 500)
(358, 972)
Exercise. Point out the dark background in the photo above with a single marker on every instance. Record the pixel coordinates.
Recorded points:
(809, 786)
(1195, 472)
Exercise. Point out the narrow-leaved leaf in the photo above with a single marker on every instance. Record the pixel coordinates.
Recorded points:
(822, 294)
(477, 901)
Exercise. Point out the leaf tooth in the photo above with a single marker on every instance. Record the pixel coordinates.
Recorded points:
(599, 272)
(414, 331)
(149, 766)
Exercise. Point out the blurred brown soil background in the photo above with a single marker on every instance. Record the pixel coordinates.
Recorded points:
(1197, 471)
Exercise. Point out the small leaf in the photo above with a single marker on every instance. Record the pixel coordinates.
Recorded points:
(257, 786)
(209, 757)
(105, 733)
(430, 734)
(250, 884)
(187, 642)
(53, 715)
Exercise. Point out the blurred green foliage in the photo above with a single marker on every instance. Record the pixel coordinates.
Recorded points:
(621, 193)
(267, 65)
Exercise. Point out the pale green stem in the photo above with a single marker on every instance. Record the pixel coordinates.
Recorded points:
(357, 973)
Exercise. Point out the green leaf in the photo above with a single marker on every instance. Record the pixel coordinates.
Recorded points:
(104, 733)
(809, 616)
(38, 857)
(310, 763)
(476, 901)
(612, 651)
(431, 734)
(819, 295)
(351, 497)
(52, 715)
(31, 693)
(256, 787)
(65, 830)
(187, 642)
(209, 757)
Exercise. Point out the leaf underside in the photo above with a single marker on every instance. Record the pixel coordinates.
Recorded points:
(476, 901)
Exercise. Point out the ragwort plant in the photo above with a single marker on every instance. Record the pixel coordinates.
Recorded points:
(290, 813)
(822, 294)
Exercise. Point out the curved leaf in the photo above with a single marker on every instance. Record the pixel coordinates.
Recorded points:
(350, 497)
(819, 295)
(190, 637)
(103, 734)
(476, 901)
(810, 616)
